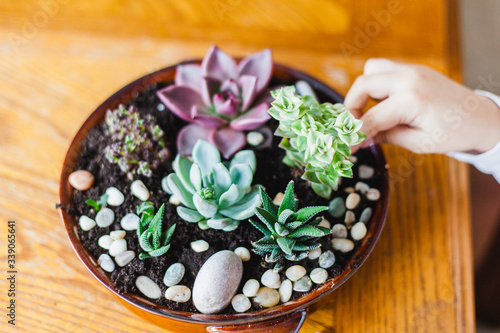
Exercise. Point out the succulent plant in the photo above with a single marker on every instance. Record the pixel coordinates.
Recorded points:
(137, 144)
(289, 232)
(214, 194)
(220, 99)
(316, 137)
(152, 240)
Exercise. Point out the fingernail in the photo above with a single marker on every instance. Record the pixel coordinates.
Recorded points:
(367, 143)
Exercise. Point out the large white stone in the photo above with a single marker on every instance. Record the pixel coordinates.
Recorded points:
(217, 282)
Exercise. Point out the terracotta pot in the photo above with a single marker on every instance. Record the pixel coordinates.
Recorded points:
(287, 317)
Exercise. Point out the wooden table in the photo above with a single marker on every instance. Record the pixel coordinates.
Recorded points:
(62, 59)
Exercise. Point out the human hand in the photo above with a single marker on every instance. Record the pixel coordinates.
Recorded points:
(422, 110)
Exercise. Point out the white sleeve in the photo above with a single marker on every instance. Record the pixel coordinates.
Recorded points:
(488, 162)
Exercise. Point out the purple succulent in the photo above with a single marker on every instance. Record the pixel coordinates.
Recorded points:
(220, 99)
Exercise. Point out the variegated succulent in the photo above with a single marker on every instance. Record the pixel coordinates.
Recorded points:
(289, 232)
(152, 240)
(316, 137)
(213, 193)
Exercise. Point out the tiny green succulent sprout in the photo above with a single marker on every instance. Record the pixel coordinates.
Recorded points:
(152, 239)
(97, 205)
(289, 232)
(316, 137)
(213, 193)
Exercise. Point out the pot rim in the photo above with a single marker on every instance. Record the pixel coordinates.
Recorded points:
(332, 284)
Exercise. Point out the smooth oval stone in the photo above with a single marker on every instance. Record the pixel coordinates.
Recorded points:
(361, 187)
(314, 254)
(366, 215)
(270, 279)
(139, 190)
(174, 274)
(81, 180)
(358, 231)
(339, 231)
(267, 297)
(251, 287)
(124, 258)
(337, 207)
(326, 259)
(130, 222)
(174, 200)
(342, 245)
(148, 287)
(217, 282)
(325, 223)
(365, 171)
(350, 217)
(255, 138)
(106, 263)
(118, 246)
(373, 194)
(243, 253)
(352, 201)
(86, 223)
(117, 234)
(303, 285)
(115, 196)
(200, 246)
(295, 272)
(179, 294)
(285, 290)
(105, 241)
(240, 303)
(278, 198)
(353, 158)
(105, 217)
(349, 189)
(318, 275)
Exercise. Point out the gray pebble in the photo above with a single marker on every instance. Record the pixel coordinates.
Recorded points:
(148, 287)
(105, 217)
(174, 274)
(326, 259)
(366, 215)
(337, 207)
(122, 259)
(365, 171)
(303, 285)
(106, 263)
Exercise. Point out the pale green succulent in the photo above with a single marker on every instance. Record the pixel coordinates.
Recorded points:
(214, 194)
(316, 137)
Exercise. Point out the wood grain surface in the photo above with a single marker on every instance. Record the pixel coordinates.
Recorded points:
(56, 68)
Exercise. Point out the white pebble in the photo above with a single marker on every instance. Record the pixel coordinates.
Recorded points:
(325, 223)
(241, 303)
(314, 254)
(362, 187)
(353, 158)
(115, 197)
(106, 263)
(200, 246)
(174, 200)
(243, 253)
(179, 294)
(352, 201)
(139, 190)
(117, 234)
(285, 290)
(366, 215)
(278, 198)
(251, 287)
(366, 171)
(373, 194)
(124, 258)
(270, 279)
(318, 275)
(295, 272)
(105, 241)
(105, 217)
(267, 297)
(303, 285)
(118, 246)
(339, 231)
(358, 231)
(349, 189)
(327, 259)
(86, 223)
(174, 274)
(350, 217)
(342, 245)
(255, 138)
(130, 222)
(148, 287)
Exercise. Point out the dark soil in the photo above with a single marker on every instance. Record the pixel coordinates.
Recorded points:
(271, 173)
